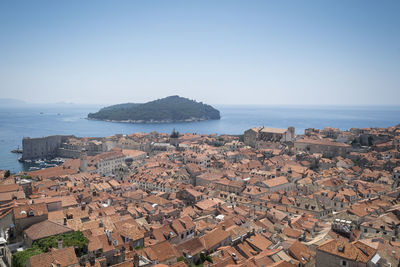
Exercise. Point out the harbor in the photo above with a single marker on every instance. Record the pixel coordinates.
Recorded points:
(34, 165)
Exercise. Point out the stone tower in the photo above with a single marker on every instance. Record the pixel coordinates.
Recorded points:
(174, 138)
(83, 165)
(292, 133)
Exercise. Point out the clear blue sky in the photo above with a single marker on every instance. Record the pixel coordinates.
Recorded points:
(219, 52)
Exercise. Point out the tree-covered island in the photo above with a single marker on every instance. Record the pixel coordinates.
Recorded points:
(168, 109)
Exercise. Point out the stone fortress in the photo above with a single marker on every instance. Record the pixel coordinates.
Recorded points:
(65, 146)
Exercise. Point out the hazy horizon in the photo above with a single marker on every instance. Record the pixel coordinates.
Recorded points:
(37, 104)
(218, 52)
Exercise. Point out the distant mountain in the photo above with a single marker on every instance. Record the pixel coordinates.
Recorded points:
(169, 109)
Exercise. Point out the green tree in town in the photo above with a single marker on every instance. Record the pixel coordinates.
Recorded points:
(20, 257)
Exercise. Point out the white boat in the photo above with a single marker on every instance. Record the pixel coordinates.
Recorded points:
(58, 160)
(51, 165)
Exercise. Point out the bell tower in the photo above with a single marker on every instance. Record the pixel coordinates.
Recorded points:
(83, 165)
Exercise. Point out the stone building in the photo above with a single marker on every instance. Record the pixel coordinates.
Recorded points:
(107, 162)
(44, 229)
(230, 186)
(396, 177)
(325, 147)
(29, 214)
(255, 136)
(342, 253)
(72, 147)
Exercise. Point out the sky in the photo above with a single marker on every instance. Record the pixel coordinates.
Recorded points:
(219, 52)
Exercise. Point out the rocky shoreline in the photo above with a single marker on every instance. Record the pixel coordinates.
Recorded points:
(152, 121)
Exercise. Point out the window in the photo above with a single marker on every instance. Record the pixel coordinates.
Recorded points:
(343, 263)
(365, 230)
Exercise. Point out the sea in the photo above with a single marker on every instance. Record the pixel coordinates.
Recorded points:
(40, 121)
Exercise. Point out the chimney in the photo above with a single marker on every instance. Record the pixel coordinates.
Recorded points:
(92, 260)
(223, 227)
(60, 243)
(278, 171)
(136, 260)
(235, 259)
(123, 253)
(109, 237)
(82, 261)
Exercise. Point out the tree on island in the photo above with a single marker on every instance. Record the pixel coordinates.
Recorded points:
(7, 174)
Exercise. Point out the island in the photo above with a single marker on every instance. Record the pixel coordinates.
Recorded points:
(165, 110)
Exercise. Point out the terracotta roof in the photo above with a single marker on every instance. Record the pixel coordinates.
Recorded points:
(275, 181)
(62, 257)
(272, 130)
(23, 211)
(301, 252)
(46, 229)
(70, 166)
(322, 142)
(208, 203)
(132, 231)
(133, 153)
(259, 242)
(192, 247)
(290, 232)
(193, 192)
(355, 251)
(214, 237)
(9, 188)
(164, 251)
(66, 201)
(8, 196)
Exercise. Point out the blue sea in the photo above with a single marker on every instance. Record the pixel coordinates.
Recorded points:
(16, 123)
